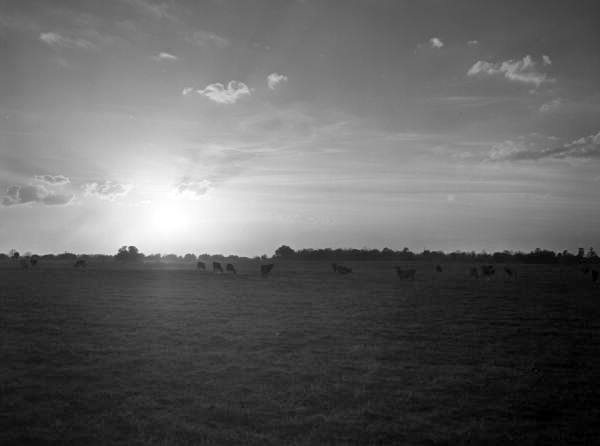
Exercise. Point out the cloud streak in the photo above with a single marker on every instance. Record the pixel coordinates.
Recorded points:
(106, 190)
(16, 195)
(220, 94)
(164, 57)
(521, 70)
(274, 79)
(55, 180)
(191, 189)
(58, 41)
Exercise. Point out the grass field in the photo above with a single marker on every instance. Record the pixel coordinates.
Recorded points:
(304, 357)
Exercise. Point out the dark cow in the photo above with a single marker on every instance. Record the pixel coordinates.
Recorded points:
(80, 264)
(487, 270)
(438, 268)
(342, 269)
(201, 266)
(334, 267)
(509, 272)
(34, 260)
(594, 275)
(405, 273)
(474, 272)
(266, 269)
(217, 268)
(230, 268)
(585, 270)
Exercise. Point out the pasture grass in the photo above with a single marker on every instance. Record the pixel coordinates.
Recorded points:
(303, 357)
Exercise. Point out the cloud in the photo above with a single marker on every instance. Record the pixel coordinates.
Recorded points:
(522, 70)
(275, 79)
(106, 190)
(583, 148)
(547, 60)
(203, 38)
(473, 42)
(34, 194)
(58, 41)
(186, 91)
(436, 42)
(218, 93)
(191, 189)
(164, 57)
(56, 180)
(551, 106)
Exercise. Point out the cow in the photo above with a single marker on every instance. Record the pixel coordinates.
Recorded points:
(230, 268)
(217, 268)
(266, 269)
(342, 269)
(509, 272)
(80, 264)
(405, 273)
(34, 260)
(487, 270)
(201, 266)
(438, 268)
(24, 263)
(594, 275)
(585, 270)
(334, 267)
(474, 272)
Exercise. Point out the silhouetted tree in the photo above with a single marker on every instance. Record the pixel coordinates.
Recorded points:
(284, 252)
(189, 257)
(128, 254)
(13, 254)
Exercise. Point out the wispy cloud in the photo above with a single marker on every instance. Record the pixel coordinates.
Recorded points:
(551, 106)
(217, 92)
(186, 91)
(58, 41)
(586, 147)
(522, 70)
(473, 42)
(191, 189)
(17, 194)
(106, 190)
(164, 57)
(435, 42)
(275, 79)
(56, 180)
(547, 60)
(203, 38)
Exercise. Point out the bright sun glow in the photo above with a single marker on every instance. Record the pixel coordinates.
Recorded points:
(169, 219)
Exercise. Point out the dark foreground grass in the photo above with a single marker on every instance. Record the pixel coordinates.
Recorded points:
(304, 357)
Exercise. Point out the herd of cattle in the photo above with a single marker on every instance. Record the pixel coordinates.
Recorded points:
(485, 271)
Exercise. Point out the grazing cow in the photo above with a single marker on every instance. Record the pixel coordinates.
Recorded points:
(217, 268)
(474, 272)
(509, 272)
(342, 269)
(405, 273)
(585, 270)
(230, 268)
(487, 270)
(80, 264)
(334, 267)
(438, 268)
(266, 269)
(201, 266)
(34, 260)
(594, 275)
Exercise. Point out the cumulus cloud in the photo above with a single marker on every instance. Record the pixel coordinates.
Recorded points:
(58, 41)
(34, 194)
(582, 148)
(522, 70)
(547, 60)
(191, 189)
(164, 57)
(436, 42)
(217, 92)
(106, 190)
(56, 180)
(275, 79)
(551, 106)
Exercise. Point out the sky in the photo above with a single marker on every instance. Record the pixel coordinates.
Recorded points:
(237, 126)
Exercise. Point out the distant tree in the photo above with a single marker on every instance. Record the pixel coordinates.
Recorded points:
(3, 256)
(189, 257)
(66, 256)
(591, 254)
(580, 252)
(129, 254)
(284, 252)
(171, 257)
(13, 254)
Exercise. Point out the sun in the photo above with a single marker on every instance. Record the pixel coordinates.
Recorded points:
(169, 218)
